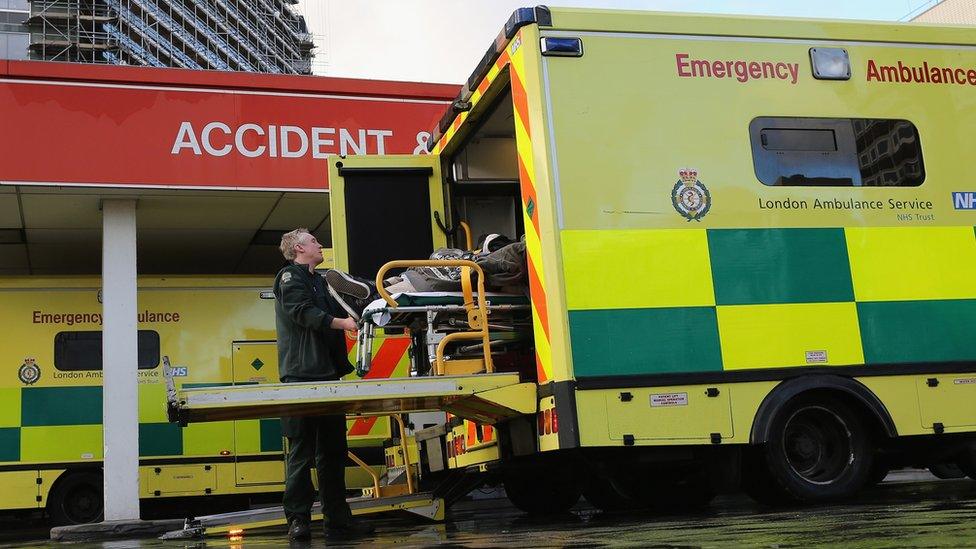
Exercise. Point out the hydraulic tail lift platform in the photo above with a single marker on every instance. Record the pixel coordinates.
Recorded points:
(486, 398)
(423, 504)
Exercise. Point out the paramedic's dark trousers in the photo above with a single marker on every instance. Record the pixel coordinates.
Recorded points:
(321, 444)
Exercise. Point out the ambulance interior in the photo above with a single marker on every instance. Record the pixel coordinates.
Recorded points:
(483, 178)
(481, 185)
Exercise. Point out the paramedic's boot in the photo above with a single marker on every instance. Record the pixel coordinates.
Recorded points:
(299, 530)
(354, 529)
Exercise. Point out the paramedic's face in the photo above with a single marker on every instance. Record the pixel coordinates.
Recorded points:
(310, 251)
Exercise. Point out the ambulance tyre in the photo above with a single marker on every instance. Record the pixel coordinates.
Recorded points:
(818, 450)
(946, 471)
(879, 472)
(76, 499)
(542, 491)
(967, 461)
(685, 493)
(602, 494)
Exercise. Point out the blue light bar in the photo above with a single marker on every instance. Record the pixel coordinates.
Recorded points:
(562, 47)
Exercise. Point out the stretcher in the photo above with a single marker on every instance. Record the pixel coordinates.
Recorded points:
(453, 332)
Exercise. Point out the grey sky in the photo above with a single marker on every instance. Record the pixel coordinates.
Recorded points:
(442, 40)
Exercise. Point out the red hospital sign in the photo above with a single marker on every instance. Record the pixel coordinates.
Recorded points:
(138, 127)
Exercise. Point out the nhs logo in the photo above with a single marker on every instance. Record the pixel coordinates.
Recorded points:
(964, 201)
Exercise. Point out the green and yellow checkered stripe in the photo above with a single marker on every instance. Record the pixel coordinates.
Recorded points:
(708, 300)
(64, 424)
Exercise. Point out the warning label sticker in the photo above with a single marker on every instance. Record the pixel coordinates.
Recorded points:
(964, 380)
(669, 399)
(816, 357)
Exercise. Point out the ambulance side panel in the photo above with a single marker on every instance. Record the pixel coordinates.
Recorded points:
(756, 282)
(216, 331)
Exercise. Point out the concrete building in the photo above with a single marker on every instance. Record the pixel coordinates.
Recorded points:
(954, 12)
(230, 35)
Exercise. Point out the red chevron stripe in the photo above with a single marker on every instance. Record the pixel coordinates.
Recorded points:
(362, 426)
(538, 296)
(521, 101)
(385, 360)
(540, 371)
(503, 59)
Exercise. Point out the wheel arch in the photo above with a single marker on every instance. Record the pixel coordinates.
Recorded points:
(846, 387)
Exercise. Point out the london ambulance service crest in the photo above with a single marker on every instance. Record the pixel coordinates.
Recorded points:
(689, 196)
(29, 372)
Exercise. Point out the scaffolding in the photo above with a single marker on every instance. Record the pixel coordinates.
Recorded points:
(70, 30)
(228, 35)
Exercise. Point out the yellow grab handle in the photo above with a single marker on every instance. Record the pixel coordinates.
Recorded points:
(467, 235)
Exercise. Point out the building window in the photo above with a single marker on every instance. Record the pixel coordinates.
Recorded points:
(15, 5)
(83, 350)
(13, 45)
(836, 152)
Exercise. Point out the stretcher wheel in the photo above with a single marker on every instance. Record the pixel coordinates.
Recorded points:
(76, 499)
(818, 450)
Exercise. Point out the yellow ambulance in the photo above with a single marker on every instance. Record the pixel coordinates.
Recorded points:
(213, 331)
(751, 250)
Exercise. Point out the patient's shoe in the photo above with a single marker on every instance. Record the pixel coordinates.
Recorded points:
(345, 283)
(352, 294)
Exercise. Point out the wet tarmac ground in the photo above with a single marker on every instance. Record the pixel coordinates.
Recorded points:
(896, 514)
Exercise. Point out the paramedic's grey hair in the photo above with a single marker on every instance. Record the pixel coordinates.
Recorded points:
(290, 240)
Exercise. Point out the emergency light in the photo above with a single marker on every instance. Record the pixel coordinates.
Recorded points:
(830, 63)
(562, 47)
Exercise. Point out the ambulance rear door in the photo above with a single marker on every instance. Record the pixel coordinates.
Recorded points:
(384, 208)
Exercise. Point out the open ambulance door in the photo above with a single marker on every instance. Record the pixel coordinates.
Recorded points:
(383, 208)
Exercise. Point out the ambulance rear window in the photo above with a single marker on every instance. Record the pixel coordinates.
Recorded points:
(836, 152)
(75, 351)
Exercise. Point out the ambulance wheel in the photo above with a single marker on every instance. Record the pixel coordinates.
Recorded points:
(879, 472)
(542, 491)
(946, 471)
(685, 493)
(967, 461)
(604, 496)
(76, 499)
(819, 449)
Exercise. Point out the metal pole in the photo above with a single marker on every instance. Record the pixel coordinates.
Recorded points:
(120, 359)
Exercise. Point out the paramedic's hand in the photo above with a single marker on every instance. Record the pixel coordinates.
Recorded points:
(347, 324)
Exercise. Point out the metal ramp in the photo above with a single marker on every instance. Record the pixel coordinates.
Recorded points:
(236, 524)
(486, 398)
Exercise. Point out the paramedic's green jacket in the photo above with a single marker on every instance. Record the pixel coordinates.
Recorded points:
(308, 349)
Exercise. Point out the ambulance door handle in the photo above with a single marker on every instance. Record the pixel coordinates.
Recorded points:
(448, 231)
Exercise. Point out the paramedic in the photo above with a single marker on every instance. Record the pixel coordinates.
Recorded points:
(311, 347)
